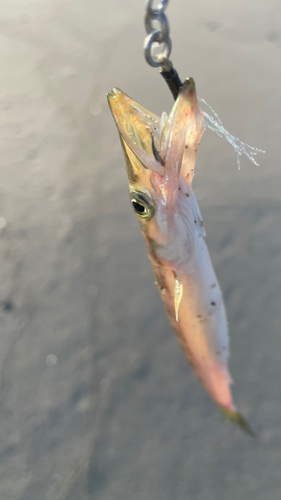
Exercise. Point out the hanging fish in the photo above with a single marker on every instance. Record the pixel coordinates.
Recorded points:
(160, 156)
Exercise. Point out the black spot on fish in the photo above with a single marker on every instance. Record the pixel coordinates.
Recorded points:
(213, 303)
(187, 195)
(195, 221)
(213, 286)
(186, 146)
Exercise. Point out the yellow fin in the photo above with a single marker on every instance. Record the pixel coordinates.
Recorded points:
(177, 296)
(236, 417)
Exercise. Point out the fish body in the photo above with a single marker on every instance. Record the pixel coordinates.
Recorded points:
(160, 156)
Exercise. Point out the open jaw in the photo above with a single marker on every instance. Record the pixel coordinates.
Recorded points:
(160, 144)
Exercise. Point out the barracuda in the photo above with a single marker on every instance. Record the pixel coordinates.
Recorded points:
(160, 156)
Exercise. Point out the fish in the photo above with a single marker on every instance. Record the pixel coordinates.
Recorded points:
(160, 155)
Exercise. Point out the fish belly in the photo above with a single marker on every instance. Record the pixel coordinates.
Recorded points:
(201, 327)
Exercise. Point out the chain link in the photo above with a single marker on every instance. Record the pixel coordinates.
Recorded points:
(157, 37)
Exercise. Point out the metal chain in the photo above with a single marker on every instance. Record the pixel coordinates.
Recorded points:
(157, 37)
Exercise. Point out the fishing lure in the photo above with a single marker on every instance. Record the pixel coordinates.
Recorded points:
(160, 155)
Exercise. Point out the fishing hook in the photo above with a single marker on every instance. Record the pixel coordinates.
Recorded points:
(158, 38)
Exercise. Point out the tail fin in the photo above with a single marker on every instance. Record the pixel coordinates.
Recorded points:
(235, 416)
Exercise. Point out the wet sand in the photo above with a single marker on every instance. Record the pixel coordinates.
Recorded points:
(97, 399)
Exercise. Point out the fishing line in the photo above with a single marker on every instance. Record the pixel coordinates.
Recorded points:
(157, 51)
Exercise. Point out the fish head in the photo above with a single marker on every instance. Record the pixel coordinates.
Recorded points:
(156, 156)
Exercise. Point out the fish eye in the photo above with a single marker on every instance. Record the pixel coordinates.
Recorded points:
(140, 209)
(142, 204)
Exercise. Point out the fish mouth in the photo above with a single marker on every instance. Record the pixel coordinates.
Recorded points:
(136, 126)
(135, 123)
(113, 94)
(160, 144)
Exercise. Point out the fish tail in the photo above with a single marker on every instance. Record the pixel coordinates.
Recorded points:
(235, 416)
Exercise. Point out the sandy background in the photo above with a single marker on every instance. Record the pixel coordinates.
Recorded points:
(97, 400)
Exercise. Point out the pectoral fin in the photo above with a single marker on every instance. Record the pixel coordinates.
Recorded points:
(178, 291)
